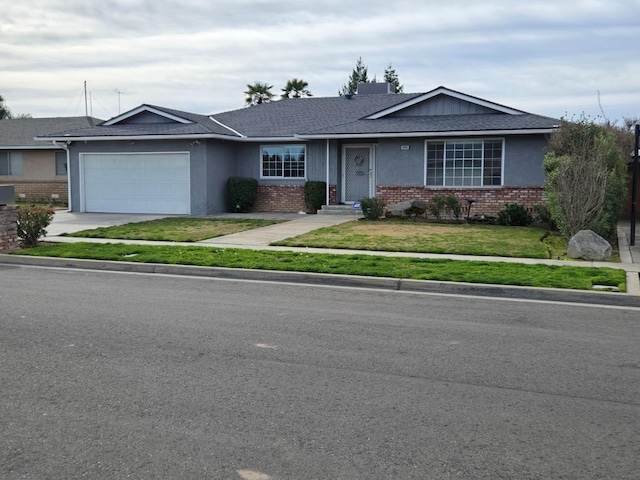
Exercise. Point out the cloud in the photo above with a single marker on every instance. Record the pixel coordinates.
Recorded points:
(547, 57)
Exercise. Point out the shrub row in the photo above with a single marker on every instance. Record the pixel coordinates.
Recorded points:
(440, 206)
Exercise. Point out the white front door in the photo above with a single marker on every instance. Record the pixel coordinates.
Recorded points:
(357, 172)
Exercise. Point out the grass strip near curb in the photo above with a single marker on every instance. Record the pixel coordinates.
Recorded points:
(176, 229)
(498, 273)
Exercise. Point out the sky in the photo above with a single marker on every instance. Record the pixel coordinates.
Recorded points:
(555, 58)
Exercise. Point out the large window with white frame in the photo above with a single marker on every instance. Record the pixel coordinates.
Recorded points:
(11, 163)
(464, 162)
(283, 161)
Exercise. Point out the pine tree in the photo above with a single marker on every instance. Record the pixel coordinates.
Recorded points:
(391, 76)
(5, 112)
(358, 75)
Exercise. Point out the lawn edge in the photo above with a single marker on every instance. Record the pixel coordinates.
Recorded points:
(336, 280)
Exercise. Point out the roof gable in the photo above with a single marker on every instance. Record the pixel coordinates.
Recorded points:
(146, 114)
(443, 101)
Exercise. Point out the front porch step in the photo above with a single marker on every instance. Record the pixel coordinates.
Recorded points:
(338, 210)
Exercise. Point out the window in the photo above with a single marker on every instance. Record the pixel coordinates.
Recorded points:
(11, 163)
(464, 163)
(61, 163)
(283, 161)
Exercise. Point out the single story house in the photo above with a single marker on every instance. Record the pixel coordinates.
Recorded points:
(154, 159)
(37, 170)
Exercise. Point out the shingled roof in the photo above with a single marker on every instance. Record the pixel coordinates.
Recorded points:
(20, 132)
(316, 117)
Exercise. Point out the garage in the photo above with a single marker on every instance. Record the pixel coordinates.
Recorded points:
(135, 183)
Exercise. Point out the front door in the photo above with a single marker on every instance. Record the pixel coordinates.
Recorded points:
(357, 172)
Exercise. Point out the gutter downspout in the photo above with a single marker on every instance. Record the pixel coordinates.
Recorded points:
(328, 186)
(65, 147)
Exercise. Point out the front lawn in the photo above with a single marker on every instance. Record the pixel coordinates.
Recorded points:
(426, 237)
(499, 273)
(176, 229)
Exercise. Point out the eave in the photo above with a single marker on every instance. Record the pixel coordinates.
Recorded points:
(460, 133)
(132, 138)
(28, 147)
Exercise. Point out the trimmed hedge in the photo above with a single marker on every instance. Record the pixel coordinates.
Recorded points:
(314, 195)
(241, 194)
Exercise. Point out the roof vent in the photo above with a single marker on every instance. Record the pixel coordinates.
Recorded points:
(348, 96)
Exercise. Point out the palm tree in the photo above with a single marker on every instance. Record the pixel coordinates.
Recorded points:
(296, 89)
(258, 93)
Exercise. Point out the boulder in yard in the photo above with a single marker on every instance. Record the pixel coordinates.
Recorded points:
(405, 209)
(589, 245)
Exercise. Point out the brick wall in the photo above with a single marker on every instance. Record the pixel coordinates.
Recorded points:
(8, 229)
(489, 200)
(333, 195)
(280, 198)
(40, 190)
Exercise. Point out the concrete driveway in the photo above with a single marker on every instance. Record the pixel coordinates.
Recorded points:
(70, 222)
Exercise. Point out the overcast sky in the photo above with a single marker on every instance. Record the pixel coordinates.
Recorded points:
(556, 58)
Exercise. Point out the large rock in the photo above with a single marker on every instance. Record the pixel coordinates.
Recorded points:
(405, 209)
(589, 245)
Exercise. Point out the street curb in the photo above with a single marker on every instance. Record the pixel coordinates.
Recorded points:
(385, 283)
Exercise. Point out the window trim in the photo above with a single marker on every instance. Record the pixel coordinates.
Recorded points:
(18, 158)
(282, 177)
(463, 140)
(66, 168)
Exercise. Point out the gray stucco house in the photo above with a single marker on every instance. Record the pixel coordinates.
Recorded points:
(375, 143)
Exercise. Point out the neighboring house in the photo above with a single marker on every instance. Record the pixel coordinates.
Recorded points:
(395, 146)
(38, 171)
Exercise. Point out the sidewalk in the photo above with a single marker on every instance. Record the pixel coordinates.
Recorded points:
(624, 242)
(298, 224)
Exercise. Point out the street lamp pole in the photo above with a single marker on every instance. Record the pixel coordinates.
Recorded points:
(634, 187)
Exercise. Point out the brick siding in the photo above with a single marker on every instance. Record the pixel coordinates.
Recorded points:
(280, 198)
(40, 190)
(489, 200)
(333, 195)
(8, 229)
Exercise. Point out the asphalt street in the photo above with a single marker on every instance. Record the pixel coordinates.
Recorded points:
(122, 375)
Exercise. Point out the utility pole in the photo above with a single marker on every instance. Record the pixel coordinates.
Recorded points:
(86, 108)
(119, 93)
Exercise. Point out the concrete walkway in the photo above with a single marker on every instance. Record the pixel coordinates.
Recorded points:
(298, 224)
(262, 237)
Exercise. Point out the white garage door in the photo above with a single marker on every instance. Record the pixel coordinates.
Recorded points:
(136, 183)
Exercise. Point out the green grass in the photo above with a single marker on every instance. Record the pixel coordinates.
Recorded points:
(499, 273)
(425, 237)
(176, 229)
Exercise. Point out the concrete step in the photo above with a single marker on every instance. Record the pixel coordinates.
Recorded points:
(338, 210)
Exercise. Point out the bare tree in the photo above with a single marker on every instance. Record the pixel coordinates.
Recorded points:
(586, 178)
(579, 187)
